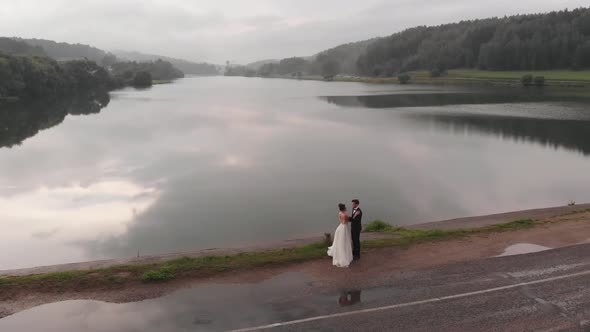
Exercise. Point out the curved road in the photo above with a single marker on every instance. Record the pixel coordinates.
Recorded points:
(545, 291)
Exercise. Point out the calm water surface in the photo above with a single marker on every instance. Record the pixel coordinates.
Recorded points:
(212, 162)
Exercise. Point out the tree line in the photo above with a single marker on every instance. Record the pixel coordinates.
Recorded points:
(187, 67)
(27, 71)
(555, 40)
(127, 72)
(66, 51)
(34, 76)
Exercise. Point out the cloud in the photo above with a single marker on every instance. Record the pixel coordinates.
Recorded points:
(43, 235)
(241, 30)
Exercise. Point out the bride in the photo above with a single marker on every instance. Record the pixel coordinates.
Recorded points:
(341, 249)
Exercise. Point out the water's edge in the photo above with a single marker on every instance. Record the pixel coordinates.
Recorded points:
(467, 222)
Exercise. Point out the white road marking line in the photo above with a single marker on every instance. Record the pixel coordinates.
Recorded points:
(409, 304)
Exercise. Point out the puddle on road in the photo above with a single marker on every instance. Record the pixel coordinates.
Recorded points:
(205, 308)
(522, 248)
(348, 298)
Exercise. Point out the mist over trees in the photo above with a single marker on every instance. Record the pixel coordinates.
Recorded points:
(187, 67)
(66, 51)
(555, 40)
(17, 47)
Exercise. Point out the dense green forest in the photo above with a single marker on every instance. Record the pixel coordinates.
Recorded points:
(66, 51)
(28, 71)
(159, 70)
(37, 76)
(34, 76)
(556, 40)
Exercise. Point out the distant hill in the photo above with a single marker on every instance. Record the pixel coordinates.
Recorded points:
(258, 64)
(187, 67)
(18, 47)
(66, 51)
(554, 40)
(345, 55)
(337, 60)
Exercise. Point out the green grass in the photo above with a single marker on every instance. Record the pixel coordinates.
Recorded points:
(162, 274)
(154, 82)
(408, 236)
(378, 226)
(116, 276)
(119, 275)
(557, 75)
(474, 76)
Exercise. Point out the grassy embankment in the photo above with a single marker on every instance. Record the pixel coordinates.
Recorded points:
(567, 78)
(155, 82)
(118, 276)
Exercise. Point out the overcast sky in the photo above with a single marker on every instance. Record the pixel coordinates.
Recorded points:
(241, 30)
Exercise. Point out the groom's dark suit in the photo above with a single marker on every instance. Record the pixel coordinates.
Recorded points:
(355, 230)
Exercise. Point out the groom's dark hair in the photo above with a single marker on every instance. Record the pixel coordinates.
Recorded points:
(341, 207)
(356, 201)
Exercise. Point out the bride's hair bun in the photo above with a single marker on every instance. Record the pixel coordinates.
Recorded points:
(341, 207)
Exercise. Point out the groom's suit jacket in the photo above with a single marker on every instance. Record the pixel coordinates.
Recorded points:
(358, 219)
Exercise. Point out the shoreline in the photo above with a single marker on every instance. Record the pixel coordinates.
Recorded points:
(458, 81)
(447, 225)
(459, 77)
(413, 251)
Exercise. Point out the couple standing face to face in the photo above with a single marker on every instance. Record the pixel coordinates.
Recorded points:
(355, 205)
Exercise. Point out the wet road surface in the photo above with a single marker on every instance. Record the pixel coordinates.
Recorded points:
(546, 290)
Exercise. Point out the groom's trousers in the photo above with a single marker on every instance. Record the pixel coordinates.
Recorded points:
(355, 230)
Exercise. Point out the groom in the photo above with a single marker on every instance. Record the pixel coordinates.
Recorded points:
(355, 228)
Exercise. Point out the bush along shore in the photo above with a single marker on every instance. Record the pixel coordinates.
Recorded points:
(533, 79)
(200, 267)
(28, 77)
(554, 42)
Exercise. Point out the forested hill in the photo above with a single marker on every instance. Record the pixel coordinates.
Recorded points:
(66, 51)
(346, 56)
(187, 67)
(556, 40)
(340, 59)
(36, 77)
(18, 47)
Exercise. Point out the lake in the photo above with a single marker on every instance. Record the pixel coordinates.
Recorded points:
(217, 161)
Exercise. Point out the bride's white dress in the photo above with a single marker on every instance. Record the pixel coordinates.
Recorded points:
(341, 249)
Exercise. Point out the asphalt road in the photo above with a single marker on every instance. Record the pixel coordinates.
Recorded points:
(545, 291)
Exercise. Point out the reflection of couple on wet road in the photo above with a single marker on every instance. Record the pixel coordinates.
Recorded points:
(349, 298)
(347, 245)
